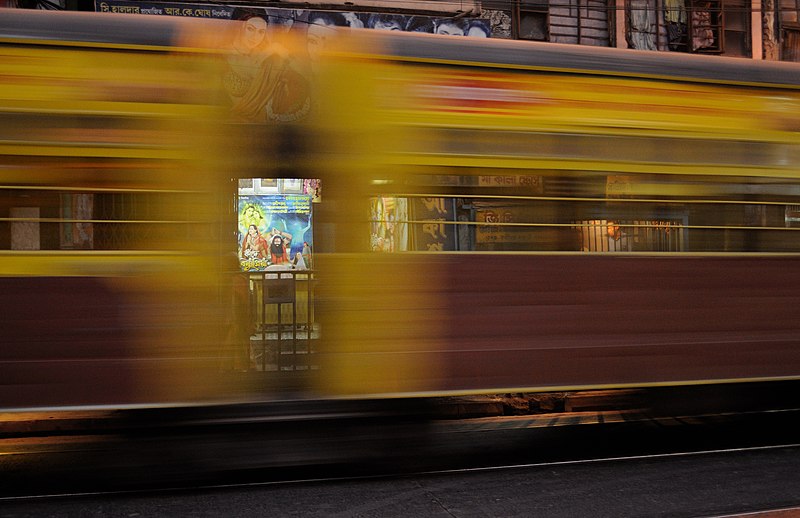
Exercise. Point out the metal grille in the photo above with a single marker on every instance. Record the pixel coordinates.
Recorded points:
(631, 236)
(677, 25)
(584, 22)
(285, 330)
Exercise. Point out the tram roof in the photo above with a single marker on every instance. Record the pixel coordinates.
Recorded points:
(590, 60)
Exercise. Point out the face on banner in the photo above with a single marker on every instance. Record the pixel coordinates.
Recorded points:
(275, 231)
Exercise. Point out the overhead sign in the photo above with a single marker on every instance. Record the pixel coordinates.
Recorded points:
(165, 9)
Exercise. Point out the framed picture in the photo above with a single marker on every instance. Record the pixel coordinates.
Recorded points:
(267, 185)
(292, 185)
(246, 186)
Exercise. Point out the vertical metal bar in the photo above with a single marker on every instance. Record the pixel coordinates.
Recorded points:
(294, 319)
(263, 326)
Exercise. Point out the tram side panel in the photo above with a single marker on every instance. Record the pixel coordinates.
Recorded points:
(563, 322)
(484, 322)
(506, 323)
(110, 213)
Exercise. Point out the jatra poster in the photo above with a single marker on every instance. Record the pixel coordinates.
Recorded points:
(275, 231)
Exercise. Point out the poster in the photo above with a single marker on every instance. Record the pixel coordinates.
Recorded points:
(389, 224)
(77, 234)
(274, 232)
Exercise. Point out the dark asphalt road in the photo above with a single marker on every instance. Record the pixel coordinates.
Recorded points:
(568, 470)
(712, 484)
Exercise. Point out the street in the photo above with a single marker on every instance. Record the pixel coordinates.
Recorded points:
(707, 484)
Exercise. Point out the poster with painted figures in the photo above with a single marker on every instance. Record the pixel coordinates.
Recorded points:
(275, 232)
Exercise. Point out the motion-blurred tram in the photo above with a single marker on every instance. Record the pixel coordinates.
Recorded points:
(493, 216)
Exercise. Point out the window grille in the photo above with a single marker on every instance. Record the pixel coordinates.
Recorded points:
(582, 22)
(695, 26)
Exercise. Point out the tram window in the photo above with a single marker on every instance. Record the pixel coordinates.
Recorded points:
(33, 219)
(586, 212)
(792, 216)
(27, 220)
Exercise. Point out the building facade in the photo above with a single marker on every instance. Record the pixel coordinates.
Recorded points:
(757, 29)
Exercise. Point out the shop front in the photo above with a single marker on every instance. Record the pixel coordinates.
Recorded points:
(275, 251)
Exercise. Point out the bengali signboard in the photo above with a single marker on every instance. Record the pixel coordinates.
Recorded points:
(165, 9)
(479, 28)
(432, 232)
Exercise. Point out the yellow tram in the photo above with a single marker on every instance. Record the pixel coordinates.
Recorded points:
(560, 217)
(110, 263)
(494, 216)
